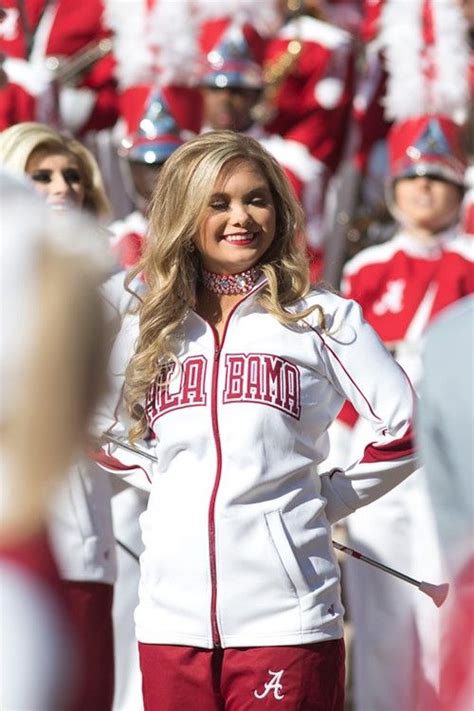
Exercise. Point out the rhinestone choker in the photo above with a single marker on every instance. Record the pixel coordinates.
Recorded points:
(230, 283)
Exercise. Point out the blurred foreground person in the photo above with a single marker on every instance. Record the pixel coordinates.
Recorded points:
(66, 175)
(237, 368)
(445, 426)
(52, 361)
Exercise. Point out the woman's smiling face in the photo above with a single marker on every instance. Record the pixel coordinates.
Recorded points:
(239, 223)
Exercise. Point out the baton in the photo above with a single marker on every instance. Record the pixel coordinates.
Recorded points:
(437, 593)
(129, 447)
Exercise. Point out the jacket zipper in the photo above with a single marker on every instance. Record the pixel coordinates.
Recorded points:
(216, 638)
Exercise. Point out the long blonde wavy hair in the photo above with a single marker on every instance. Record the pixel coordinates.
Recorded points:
(171, 263)
(19, 142)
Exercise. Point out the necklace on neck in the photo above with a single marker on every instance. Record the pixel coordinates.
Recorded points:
(230, 284)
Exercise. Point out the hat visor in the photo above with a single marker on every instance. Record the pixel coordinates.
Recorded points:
(150, 152)
(431, 169)
(235, 75)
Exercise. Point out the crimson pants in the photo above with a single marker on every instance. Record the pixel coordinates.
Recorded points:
(309, 677)
(90, 605)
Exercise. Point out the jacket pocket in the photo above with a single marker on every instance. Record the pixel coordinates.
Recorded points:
(282, 543)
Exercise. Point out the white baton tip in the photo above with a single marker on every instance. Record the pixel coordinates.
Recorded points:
(437, 593)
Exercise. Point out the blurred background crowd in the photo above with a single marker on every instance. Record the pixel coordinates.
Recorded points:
(368, 107)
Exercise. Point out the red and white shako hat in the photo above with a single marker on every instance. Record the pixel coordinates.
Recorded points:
(232, 54)
(171, 115)
(428, 145)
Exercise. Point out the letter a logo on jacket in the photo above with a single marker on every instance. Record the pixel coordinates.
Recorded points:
(274, 685)
(392, 299)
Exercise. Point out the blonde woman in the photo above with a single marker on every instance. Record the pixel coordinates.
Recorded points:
(65, 174)
(52, 343)
(238, 368)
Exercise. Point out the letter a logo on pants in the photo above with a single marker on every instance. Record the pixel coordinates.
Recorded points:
(274, 685)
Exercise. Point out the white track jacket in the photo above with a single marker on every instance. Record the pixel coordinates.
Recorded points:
(237, 531)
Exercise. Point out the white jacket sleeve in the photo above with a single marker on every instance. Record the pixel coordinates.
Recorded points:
(111, 417)
(363, 372)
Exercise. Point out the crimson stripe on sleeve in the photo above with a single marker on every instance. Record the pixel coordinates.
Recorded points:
(402, 447)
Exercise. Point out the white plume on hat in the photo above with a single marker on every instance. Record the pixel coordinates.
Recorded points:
(409, 92)
(264, 15)
(174, 30)
(128, 21)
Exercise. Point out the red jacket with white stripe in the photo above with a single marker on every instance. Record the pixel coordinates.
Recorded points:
(401, 286)
(237, 532)
(313, 99)
(59, 30)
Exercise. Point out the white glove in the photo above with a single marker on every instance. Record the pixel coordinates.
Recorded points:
(33, 78)
(75, 107)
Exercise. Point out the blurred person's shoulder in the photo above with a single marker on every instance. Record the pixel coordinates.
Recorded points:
(455, 323)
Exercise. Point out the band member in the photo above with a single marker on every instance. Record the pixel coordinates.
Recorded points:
(309, 75)
(59, 65)
(402, 285)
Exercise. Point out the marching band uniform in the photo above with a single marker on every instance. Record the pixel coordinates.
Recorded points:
(39, 43)
(153, 139)
(401, 285)
(311, 103)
